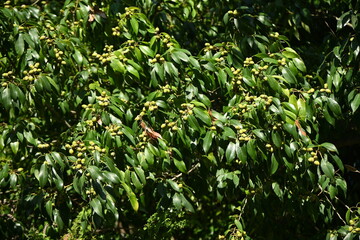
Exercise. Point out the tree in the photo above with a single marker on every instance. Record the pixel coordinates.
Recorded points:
(181, 119)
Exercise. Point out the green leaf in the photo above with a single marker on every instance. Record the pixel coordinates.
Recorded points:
(342, 184)
(129, 134)
(299, 64)
(132, 197)
(14, 147)
(274, 84)
(180, 165)
(289, 76)
(194, 123)
(6, 98)
(111, 177)
(277, 190)
(274, 165)
(176, 199)
(58, 220)
(328, 117)
(334, 107)
(49, 208)
(355, 103)
(117, 66)
(228, 133)
(97, 207)
(327, 168)
(135, 180)
(95, 173)
(207, 141)
(29, 137)
(140, 172)
(195, 63)
(332, 191)
(174, 185)
(329, 146)
(203, 115)
(78, 57)
(251, 149)
(134, 25)
(147, 51)
(186, 203)
(43, 175)
(179, 55)
(230, 151)
(338, 162)
(132, 71)
(19, 44)
(290, 54)
(276, 139)
(222, 77)
(259, 133)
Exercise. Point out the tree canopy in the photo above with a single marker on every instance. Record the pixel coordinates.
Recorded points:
(177, 119)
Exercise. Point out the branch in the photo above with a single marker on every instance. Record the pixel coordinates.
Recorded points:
(192, 169)
(332, 206)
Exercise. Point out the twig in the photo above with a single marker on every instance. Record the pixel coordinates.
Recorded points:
(35, 2)
(333, 207)
(192, 169)
(241, 212)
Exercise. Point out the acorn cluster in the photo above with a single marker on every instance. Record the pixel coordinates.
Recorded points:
(79, 149)
(165, 39)
(143, 140)
(248, 61)
(43, 145)
(130, 43)
(282, 61)
(116, 31)
(257, 71)
(220, 59)
(129, 12)
(114, 130)
(313, 156)
(325, 89)
(274, 35)
(33, 73)
(103, 100)
(269, 147)
(58, 55)
(88, 107)
(9, 75)
(252, 102)
(103, 58)
(276, 126)
(243, 134)
(7, 4)
(157, 58)
(91, 191)
(171, 125)
(238, 234)
(237, 79)
(354, 222)
(151, 106)
(148, 106)
(233, 13)
(90, 122)
(209, 47)
(187, 110)
(167, 88)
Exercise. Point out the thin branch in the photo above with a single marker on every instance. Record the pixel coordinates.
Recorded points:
(192, 169)
(333, 207)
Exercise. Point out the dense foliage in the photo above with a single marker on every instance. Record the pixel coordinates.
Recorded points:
(179, 119)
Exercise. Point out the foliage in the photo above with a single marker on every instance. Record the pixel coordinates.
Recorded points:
(182, 119)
